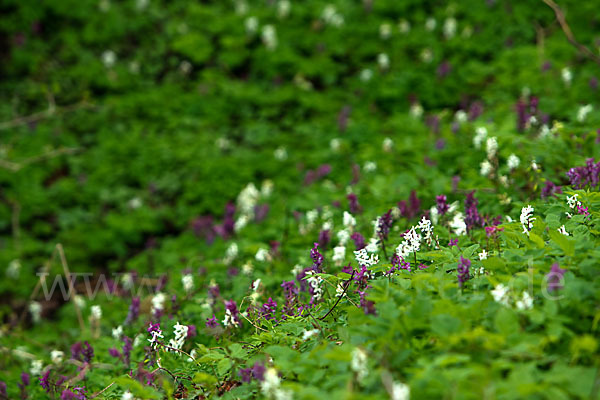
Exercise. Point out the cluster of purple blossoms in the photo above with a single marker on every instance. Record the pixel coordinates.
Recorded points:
(257, 371)
(368, 306)
(268, 309)
(472, 217)
(77, 393)
(134, 311)
(317, 258)
(555, 277)
(324, 238)
(44, 381)
(290, 291)
(492, 231)
(412, 208)
(384, 224)
(359, 241)
(463, 270)
(589, 174)
(399, 263)
(453, 242)
(212, 322)
(82, 352)
(355, 207)
(312, 175)
(550, 189)
(232, 314)
(441, 204)
(204, 226)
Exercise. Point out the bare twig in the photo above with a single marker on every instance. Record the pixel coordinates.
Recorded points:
(560, 17)
(63, 261)
(51, 111)
(102, 391)
(14, 166)
(346, 286)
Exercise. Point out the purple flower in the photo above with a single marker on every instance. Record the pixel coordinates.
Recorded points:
(472, 217)
(355, 207)
(359, 240)
(399, 263)
(355, 174)
(442, 206)
(550, 189)
(127, 347)
(114, 352)
(25, 378)
(316, 257)
(585, 175)
(444, 69)
(455, 181)
(593, 83)
(212, 322)
(258, 371)
(491, 231)
(268, 309)
(411, 208)
(231, 307)
(367, 305)
(453, 242)
(555, 277)
(134, 311)
(77, 393)
(214, 292)
(204, 227)
(192, 332)
(245, 374)
(343, 116)
(384, 223)
(475, 110)
(3, 389)
(463, 270)
(260, 212)
(290, 290)
(324, 237)
(347, 269)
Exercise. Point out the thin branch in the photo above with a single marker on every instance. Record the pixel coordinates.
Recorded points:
(49, 112)
(348, 282)
(14, 166)
(102, 391)
(560, 17)
(63, 261)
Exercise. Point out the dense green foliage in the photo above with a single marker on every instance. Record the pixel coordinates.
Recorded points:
(129, 126)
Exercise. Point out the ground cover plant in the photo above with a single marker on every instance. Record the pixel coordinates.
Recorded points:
(291, 200)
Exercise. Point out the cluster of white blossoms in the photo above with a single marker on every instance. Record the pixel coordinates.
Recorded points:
(187, 281)
(400, 391)
(117, 332)
(14, 268)
(231, 253)
(180, 332)
(35, 309)
(314, 282)
(573, 203)
(583, 112)
(57, 356)
(364, 259)
(480, 135)
(513, 161)
(426, 229)
(411, 243)
(449, 28)
(246, 201)
(271, 386)
(404, 26)
(158, 302)
(280, 153)
(385, 30)
(502, 295)
(416, 110)
(263, 255)
(566, 75)
(483, 255)
(96, 313)
(434, 214)
(562, 230)
(387, 145)
(154, 336)
(229, 320)
(36, 367)
(331, 16)
(269, 37)
(430, 24)
(383, 60)
(283, 8)
(109, 58)
(359, 363)
(339, 254)
(527, 219)
(309, 334)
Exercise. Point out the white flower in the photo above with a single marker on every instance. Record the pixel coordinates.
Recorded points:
(247, 199)
(280, 154)
(513, 161)
(339, 290)
(400, 391)
(372, 246)
(335, 144)
(500, 294)
(311, 216)
(370, 166)
(458, 224)
(127, 281)
(158, 302)
(134, 203)
(383, 60)
(231, 253)
(331, 16)
(262, 255)
(241, 222)
(14, 267)
(36, 367)
(308, 334)
(241, 7)
(247, 268)
(269, 37)
(426, 55)
(109, 58)
(426, 229)
(404, 26)
(366, 75)
(566, 75)
(563, 230)
(359, 363)
(526, 302)
(315, 284)
(362, 258)
(266, 189)
(449, 28)
(480, 135)
(388, 144)
(534, 165)
(271, 382)
(385, 31)
(141, 4)
(461, 116)
(485, 168)
(127, 396)
(155, 335)
(188, 283)
(483, 255)
(255, 284)
(339, 254)
(229, 320)
(96, 312)
(411, 243)
(583, 112)
(117, 332)
(416, 111)
(430, 24)
(491, 147)
(527, 219)
(56, 356)
(79, 300)
(283, 8)
(343, 236)
(572, 201)
(180, 332)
